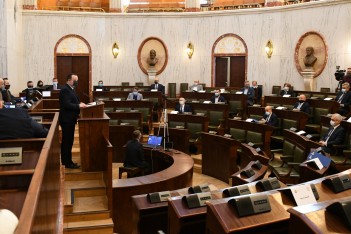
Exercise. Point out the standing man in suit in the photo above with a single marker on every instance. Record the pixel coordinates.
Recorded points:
(69, 112)
(135, 153)
(302, 105)
(335, 135)
(181, 107)
(287, 90)
(249, 92)
(258, 92)
(135, 95)
(159, 87)
(344, 98)
(216, 98)
(269, 117)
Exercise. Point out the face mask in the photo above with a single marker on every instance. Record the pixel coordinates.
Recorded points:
(332, 123)
(7, 86)
(343, 90)
(247, 86)
(286, 88)
(40, 85)
(181, 102)
(216, 94)
(301, 101)
(268, 113)
(30, 87)
(55, 83)
(156, 82)
(75, 83)
(100, 84)
(135, 92)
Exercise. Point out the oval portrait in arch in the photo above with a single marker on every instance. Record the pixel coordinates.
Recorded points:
(152, 52)
(311, 53)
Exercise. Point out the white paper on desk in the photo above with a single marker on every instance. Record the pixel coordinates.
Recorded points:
(98, 90)
(318, 163)
(349, 120)
(303, 194)
(153, 90)
(207, 102)
(249, 120)
(91, 104)
(117, 99)
(286, 95)
(46, 93)
(238, 92)
(328, 98)
(301, 132)
(280, 108)
(201, 91)
(174, 112)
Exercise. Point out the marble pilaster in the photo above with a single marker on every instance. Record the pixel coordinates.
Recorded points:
(192, 5)
(116, 6)
(308, 79)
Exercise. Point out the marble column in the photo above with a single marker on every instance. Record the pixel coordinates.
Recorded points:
(270, 3)
(116, 6)
(308, 78)
(192, 5)
(30, 4)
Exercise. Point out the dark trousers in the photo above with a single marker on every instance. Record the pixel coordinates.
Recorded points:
(67, 143)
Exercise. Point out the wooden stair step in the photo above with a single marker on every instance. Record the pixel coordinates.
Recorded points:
(89, 204)
(84, 176)
(86, 216)
(197, 168)
(197, 159)
(90, 227)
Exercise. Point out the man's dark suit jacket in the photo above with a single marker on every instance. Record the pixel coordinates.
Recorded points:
(4, 95)
(187, 108)
(304, 108)
(160, 88)
(250, 95)
(336, 138)
(69, 105)
(16, 123)
(284, 92)
(259, 94)
(346, 100)
(273, 120)
(134, 155)
(220, 99)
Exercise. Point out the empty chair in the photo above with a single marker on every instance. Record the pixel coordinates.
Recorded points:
(139, 83)
(184, 87)
(325, 90)
(125, 83)
(276, 89)
(172, 90)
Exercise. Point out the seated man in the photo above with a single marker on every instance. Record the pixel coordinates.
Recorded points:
(335, 135)
(6, 94)
(258, 91)
(216, 98)
(344, 98)
(101, 86)
(302, 105)
(55, 85)
(29, 86)
(158, 86)
(29, 90)
(181, 107)
(287, 90)
(16, 123)
(269, 117)
(135, 95)
(135, 152)
(196, 86)
(249, 92)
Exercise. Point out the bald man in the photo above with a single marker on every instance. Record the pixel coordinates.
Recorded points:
(302, 105)
(335, 135)
(269, 117)
(181, 107)
(159, 87)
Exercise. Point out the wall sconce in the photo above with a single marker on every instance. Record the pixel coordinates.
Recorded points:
(115, 50)
(269, 49)
(190, 50)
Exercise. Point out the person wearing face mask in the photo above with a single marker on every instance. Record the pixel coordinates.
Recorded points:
(29, 90)
(249, 92)
(40, 85)
(344, 98)
(287, 90)
(101, 86)
(196, 86)
(157, 86)
(135, 95)
(69, 111)
(216, 98)
(55, 84)
(335, 135)
(269, 117)
(6, 94)
(302, 105)
(181, 107)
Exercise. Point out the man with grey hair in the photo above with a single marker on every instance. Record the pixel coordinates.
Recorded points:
(344, 98)
(335, 135)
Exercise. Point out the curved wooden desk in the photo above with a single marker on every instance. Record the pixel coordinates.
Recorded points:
(178, 175)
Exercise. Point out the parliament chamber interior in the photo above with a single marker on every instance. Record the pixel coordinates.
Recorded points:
(243, 110)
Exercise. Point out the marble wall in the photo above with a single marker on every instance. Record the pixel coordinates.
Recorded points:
(282, 25)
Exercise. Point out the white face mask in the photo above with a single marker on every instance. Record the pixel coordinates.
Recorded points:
(286, 88)
(343, 90)
(332, 123)
(181, 102)
(268, 113)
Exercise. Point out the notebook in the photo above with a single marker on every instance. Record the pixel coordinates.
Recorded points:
(153, 141)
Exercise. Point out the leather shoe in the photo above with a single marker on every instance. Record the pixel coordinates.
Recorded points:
(72, 166)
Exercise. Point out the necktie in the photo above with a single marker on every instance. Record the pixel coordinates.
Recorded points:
(182, 109)
(135, 97)
(268, 117)
(329, 134)
(340, 98)
(299, 106)
(156, 86)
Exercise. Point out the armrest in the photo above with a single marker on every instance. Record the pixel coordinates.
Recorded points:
(277, 150)
(287, 158)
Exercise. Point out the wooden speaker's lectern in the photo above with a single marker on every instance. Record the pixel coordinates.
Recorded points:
(93, 127)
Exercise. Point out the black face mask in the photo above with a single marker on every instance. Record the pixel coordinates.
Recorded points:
(30, 87)
(7, 86)
(40, 85)
(75, 83)
(156, 82)
(301, 101)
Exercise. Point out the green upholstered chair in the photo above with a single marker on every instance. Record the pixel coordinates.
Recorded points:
(276, 89)
(201, 112)
(147, 121)
(238, 134)
(139, 84)
(235, 108)
(184, 87)
(122, 109)
(289, 123)
(325, 90)
(216, 120)
(314, 127)
(125, 83)
(108, 109)
(174, 124)
(272, 104)
(195, 130)
(114, 122)
(172, 90)
(254, 137)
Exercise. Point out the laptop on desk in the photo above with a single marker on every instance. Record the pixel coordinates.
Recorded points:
(153, 142)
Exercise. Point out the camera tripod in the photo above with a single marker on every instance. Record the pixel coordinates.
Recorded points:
(164, 124)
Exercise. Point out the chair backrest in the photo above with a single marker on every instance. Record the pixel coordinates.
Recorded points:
(288, 148)
(254, 137)
(194, 128)
(319, 96)
(204, 112)
(289, 123)
(215, 117)
(299, 155)
(113, 122)
(174, 124)
(172, 90)
(238, 134)
(325, 90)
(139, 83)
(276, 89)
(272, 104)
(184, 87)
(317, 113)
(125, 83)
(234, 106)
(145, 111)
(108, 109)
(125, 109)
(289, 107)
